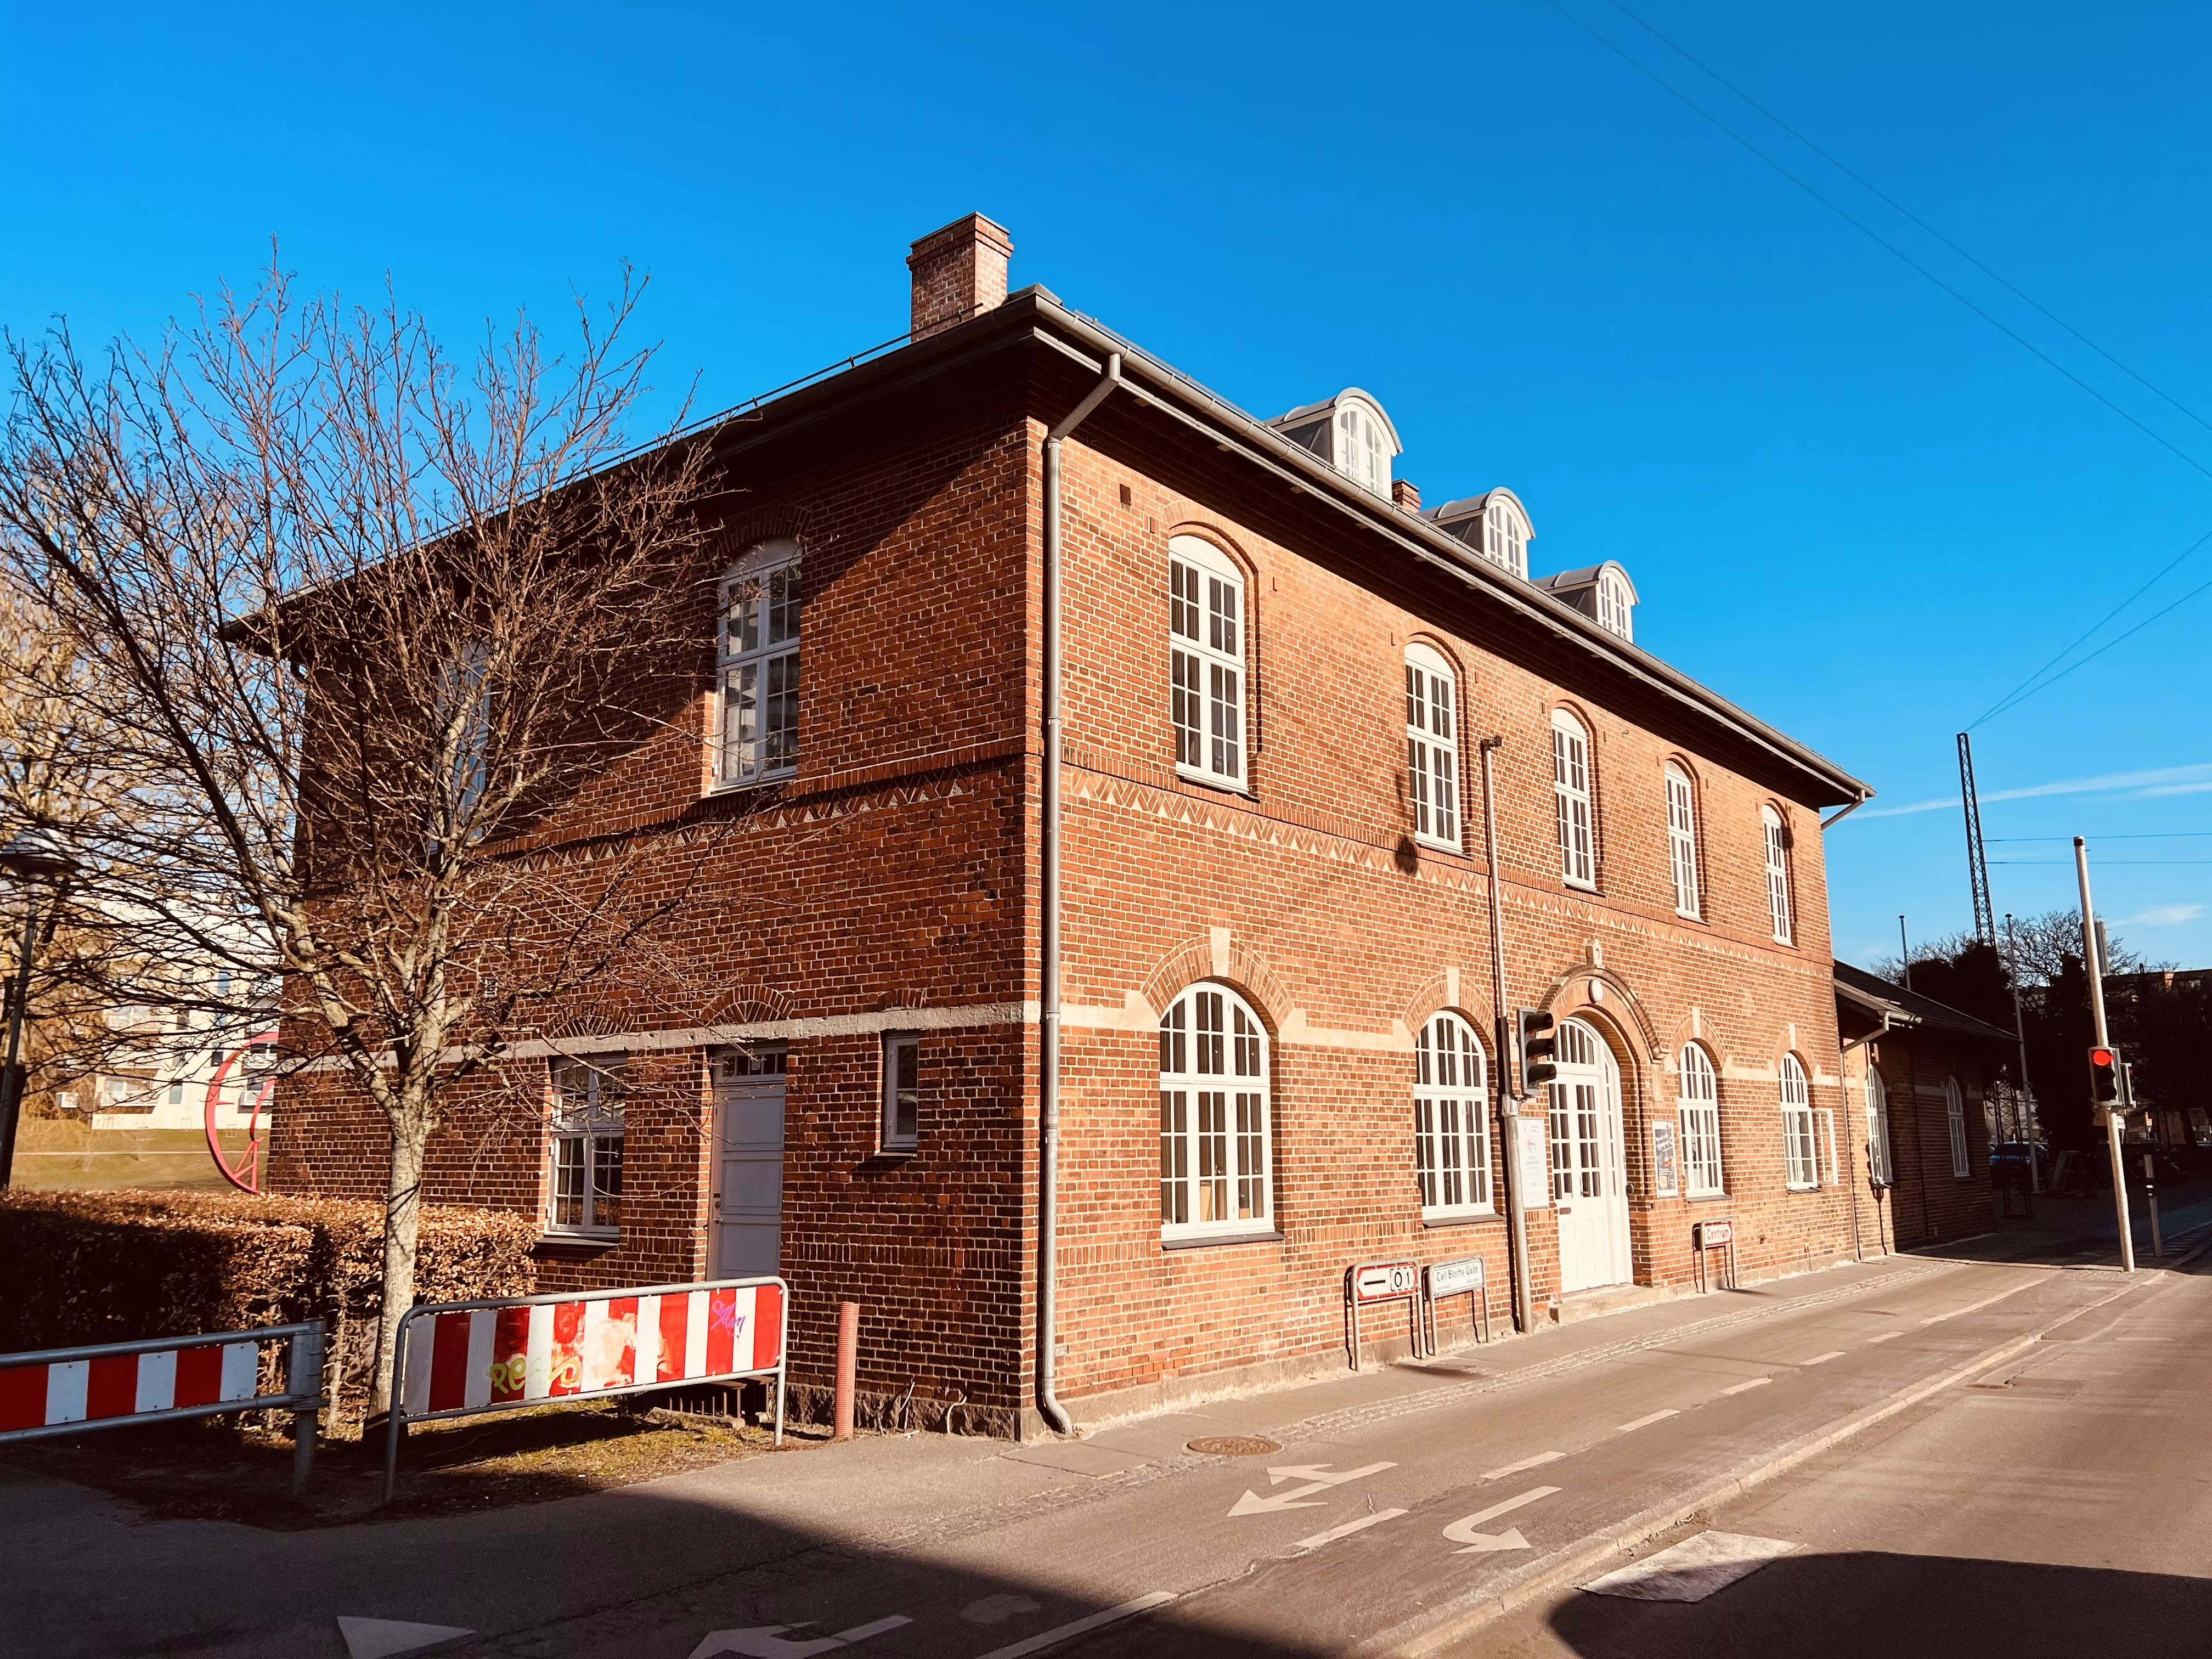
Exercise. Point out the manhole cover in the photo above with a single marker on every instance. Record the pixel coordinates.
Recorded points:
(1234, 1445)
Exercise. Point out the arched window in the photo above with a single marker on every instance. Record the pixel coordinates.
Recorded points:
(1214, 1126)
(1701, 1125)
(1451, 1118)
(1205, 661)
(1877, 1099)
(1363, 449)
(1505, 537)
(1777, 835)
(1955, 1119)
(1432, 746)
(1682, 842)
(1800, 1145)
(1571, 789)
(758, 665)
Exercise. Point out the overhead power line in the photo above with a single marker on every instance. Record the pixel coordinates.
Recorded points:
(2140, 834)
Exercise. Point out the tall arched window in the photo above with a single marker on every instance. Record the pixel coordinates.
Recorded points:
(1877, 1100)
(1955, 1119)
(1505, 537)
(1214, 1123)
(1701, 1124)
(1570, 790)
(1682, 842)
(758, 665)
(1777, 835)
(1432, 746)
(1205, 661)
(1451, 1118)
(1614, 612)
(1362, 452)
(1800, 1146)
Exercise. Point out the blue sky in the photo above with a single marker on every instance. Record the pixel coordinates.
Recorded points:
(1848, 500)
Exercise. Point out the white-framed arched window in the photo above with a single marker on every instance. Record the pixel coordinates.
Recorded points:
(1615, 611)
(1570, 791)
(1451, 1118)
(1205, 661)
(757, 665)
(1955, 1120)
(1776, 834)
(1877, 1101)
(1800, 1144)
(1363, 448)
(1216, 1156)
(1432, 745)
(1505, 537)
(1682, 842)
(1701, 1124)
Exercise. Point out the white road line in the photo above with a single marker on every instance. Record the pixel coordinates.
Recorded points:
(1755, 1383)
(1823, 1358)
(1646, 1422)
(1346, 1530)
(1053, 1638)
(1886, 1336)
(1525, 1464)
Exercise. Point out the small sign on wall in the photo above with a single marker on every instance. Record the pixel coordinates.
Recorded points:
(1535, 1163)
(1666, 1176)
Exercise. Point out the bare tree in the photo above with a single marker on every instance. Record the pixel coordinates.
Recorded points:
(352, 617)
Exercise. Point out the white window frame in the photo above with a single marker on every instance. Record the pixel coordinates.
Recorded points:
(1432, 746)
(1614, 613)
(1775, 834)
(1572, 776)
(1704, 1175)
(1824, 1120)
(1505, 538)
(1216, 1131)
(1955, 1120)
(757, 672)
(1682, 843)
(1451, 1119)
(1208, 622)
(1800, 1139)
(1363, 447)
(902, 1118)
(1877, 1105)
(587, 1102)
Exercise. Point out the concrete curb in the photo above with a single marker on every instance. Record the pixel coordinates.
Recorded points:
(1429, 1631)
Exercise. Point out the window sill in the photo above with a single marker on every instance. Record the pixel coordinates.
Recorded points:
(1457, 1217)
(1430, 844)
(1202, 1241)
(1578, 886)
(1719, 1198)
(739, 786)
(1680, 914)
(567, 1241)
(1211, 781)
(893, 1154)
(1799, 1186)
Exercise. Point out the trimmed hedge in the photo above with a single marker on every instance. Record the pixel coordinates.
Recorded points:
(109, 1267)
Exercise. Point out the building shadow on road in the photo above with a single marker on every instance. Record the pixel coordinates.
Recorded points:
(1904, 1606)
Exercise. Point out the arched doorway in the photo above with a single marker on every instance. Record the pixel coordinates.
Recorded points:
(1589, 1189)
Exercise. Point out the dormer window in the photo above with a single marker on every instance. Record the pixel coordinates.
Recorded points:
(1351, 433)
(1601, 592)
(1614, 605)
(1505, 537)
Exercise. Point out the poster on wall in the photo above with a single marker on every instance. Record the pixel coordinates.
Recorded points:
(1666, 1181)
(1535, 1163)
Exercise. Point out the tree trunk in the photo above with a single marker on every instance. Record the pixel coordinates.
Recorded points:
(402, 1217)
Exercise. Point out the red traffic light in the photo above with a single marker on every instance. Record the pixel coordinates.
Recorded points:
(2102, 1056)
(2105, 1076)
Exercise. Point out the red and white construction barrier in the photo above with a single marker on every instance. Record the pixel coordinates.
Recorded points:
(69, 1390)
(456, 1359)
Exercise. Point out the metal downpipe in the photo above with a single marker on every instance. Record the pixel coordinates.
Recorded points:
(1049, 1011)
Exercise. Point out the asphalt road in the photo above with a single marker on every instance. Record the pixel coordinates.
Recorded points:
(1951, 1449)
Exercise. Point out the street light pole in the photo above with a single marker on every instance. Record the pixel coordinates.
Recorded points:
(30, 857)
(2112, 1119)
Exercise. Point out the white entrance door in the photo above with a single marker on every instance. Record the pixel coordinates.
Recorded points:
(1587, 1188)
(747, 1238)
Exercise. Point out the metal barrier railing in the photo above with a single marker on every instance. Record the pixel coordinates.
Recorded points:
(577, 1345)
(107, 1385)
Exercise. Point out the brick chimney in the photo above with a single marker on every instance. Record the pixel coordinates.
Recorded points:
(958, 271)
(1403, 494)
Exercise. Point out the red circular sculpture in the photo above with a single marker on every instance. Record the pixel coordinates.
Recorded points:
(246, 1175)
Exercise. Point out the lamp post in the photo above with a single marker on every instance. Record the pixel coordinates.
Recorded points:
(32, 856)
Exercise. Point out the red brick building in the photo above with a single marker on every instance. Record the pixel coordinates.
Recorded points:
(1337, 789)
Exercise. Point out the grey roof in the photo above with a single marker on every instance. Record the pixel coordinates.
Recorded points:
(1871, 995)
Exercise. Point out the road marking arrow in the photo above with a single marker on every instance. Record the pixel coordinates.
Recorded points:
(767, 1641)
(1462, 1531)
(1317, 1477)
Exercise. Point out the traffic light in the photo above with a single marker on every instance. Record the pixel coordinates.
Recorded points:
(1536, 1047)
(2105, 1076)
